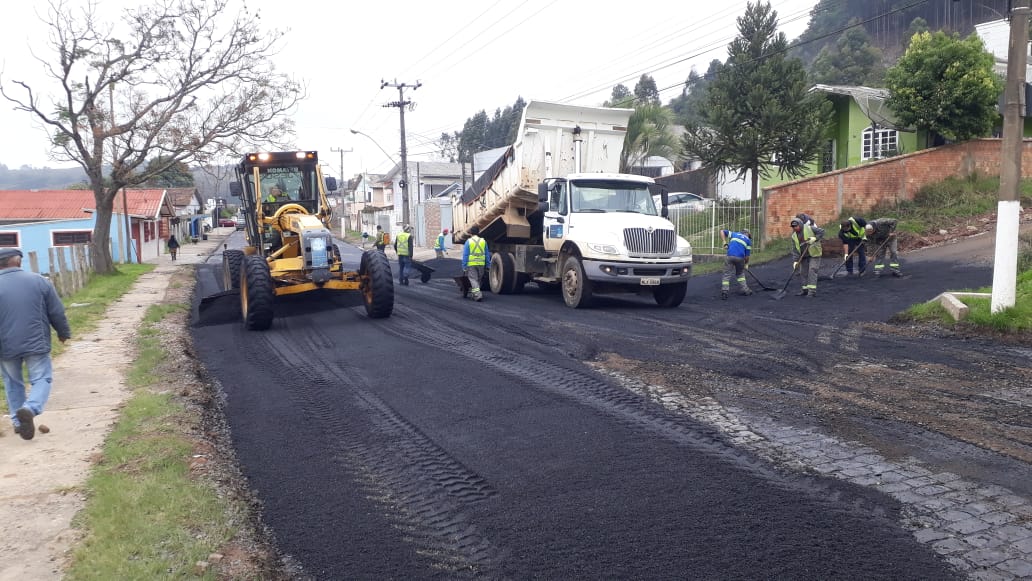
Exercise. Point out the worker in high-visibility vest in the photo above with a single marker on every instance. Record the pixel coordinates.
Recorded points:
(403, 247)
(439, 246)
(476, 260)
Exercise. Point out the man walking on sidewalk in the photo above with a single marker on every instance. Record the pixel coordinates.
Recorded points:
(29, 307)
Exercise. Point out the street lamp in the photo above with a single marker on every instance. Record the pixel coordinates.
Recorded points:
(357, 132)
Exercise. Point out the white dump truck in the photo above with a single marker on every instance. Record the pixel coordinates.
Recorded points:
(555, 211)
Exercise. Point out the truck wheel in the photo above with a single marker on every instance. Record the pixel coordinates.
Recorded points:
(231, 260)
(256, 293)
(576, 286)
(377, 284)
(670, 295)
(522, 279)
(502, 274)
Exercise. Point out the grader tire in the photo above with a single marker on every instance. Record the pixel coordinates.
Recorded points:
(256, 293)
(377, 284)
(231, 261)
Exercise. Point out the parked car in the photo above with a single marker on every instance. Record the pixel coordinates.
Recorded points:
(227, 223)
(684, 201)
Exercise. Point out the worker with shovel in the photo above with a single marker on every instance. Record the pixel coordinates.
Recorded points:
(853, 234)
(882, 233)
(739, 246)
(806, 254)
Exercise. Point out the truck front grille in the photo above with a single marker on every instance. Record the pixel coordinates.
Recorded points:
(641, 242)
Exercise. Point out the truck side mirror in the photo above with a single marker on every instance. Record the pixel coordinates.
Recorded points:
(234, 189)
(331, 183)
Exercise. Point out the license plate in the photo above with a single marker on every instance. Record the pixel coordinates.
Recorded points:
(650, 281)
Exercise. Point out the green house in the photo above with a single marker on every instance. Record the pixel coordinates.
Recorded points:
(862, 130)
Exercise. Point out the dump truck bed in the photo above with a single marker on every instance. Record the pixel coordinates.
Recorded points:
(544, 148)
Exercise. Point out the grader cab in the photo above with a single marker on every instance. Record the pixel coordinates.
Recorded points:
(290, 248)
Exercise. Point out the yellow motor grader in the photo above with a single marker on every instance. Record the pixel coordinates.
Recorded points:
(290, 247)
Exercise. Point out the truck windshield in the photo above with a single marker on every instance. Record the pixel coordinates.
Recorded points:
(611, 196)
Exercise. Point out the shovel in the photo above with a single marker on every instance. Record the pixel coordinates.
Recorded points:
(781, 293)
(760, 282)
(846, 259)
(870, 263)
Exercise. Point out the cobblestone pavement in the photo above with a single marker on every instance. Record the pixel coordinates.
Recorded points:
(984, 531)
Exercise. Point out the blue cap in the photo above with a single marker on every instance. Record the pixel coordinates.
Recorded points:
(6, 253)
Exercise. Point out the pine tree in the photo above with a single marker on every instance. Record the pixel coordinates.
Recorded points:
(759, 114)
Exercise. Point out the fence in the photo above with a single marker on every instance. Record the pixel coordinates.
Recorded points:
(70, 267)
(702, 227)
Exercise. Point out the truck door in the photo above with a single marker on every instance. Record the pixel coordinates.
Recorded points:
(557, 217)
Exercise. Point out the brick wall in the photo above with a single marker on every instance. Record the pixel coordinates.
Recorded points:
(858, 189)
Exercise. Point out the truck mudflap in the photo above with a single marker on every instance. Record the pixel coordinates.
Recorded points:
(636, 273)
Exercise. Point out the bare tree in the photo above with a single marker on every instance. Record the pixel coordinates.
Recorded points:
(188, 81)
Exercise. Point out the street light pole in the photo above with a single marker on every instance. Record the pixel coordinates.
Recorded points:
(1008, 212)
(389, 156)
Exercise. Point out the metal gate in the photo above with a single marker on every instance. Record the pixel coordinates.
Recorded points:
(702, 227)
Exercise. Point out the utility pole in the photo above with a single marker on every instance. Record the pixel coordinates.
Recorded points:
(340, 184)
(401, 103)
(1008, 212)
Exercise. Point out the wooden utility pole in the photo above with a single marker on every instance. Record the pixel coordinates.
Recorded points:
(401, 103)
(1008, 212)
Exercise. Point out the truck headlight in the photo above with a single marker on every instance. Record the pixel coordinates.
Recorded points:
(684, 251)
(603, 248)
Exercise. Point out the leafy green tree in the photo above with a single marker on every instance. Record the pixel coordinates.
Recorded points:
(917, 26)
(945, 85)
(480, 133)
(448, 146)
(620, 97)
(167, 172)
(852, 60)
(648, 133)
(759, 114)
(645, 91)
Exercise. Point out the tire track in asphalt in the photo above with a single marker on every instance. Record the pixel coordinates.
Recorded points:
(589, 389)
(978, 529)
(419, 487)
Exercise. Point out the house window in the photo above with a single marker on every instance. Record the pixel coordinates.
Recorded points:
(879, 143)
(828, 156)
(9, 239)
(70, 237)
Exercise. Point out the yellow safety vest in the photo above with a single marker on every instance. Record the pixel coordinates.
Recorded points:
(403, 239)
(477, 251)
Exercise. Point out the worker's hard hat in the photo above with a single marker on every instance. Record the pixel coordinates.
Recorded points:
(445, 231)
(869, 228)
(795, 222)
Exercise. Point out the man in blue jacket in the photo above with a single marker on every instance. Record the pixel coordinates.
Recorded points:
(29, 307)
(739, 247)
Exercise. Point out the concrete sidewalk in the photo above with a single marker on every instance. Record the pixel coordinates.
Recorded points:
(41, 480)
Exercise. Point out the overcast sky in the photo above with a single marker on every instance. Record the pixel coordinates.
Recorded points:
(469, 55)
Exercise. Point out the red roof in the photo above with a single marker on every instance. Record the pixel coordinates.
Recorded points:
(73, 204)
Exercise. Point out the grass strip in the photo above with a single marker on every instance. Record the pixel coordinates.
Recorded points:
(146, 517)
